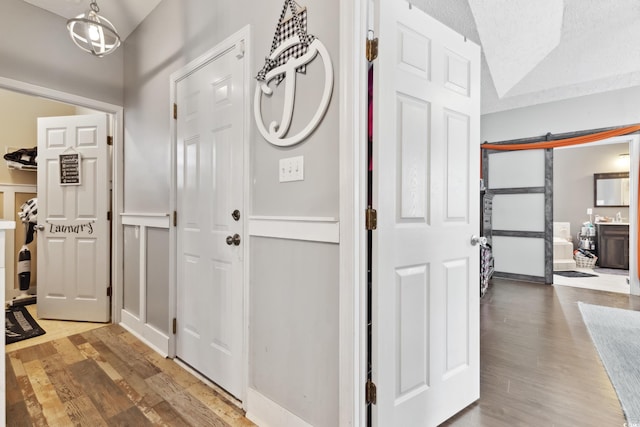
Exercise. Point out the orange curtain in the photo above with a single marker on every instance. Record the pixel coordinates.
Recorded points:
(564, 142)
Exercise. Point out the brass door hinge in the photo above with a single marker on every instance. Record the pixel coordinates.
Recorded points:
(175, 325)
(175, 218)
(371, 218)
(175, 111)
(109, 291)
(109, 140)
(372, 49)
(370, 392)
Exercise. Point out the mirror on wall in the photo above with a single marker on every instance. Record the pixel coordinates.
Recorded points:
(611, 189)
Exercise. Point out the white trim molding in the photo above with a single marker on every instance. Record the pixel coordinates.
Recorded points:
(353, 193)
(634, 174)
(138, 325)
(146, 220)
(266, 413)
(312, 229)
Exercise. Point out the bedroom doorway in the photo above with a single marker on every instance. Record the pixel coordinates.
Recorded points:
(573, 199)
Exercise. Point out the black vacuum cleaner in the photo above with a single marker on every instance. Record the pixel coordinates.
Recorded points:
(29, 216)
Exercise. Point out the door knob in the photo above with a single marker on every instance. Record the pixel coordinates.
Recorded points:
(236, 215)
(233, 240)
(481, 240)
(40, 227)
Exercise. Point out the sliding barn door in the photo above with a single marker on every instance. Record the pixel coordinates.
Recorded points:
(519, 223)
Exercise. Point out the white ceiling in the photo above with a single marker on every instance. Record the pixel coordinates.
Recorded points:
(547, 50)
(125, 15)
(533, 51)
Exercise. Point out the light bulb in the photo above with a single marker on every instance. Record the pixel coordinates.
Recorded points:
(94, 33)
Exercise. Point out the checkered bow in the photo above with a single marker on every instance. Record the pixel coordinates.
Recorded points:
(296, 25)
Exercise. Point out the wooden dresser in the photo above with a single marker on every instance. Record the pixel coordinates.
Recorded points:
(613, 245)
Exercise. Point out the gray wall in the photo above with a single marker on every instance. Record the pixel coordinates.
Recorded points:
(35, 47)
(601, 110)
(178, 31)
(573, 170)
(294, 334)
(131, 267)
(294, 317)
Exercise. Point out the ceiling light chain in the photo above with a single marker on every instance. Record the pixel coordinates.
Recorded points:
(93, 33)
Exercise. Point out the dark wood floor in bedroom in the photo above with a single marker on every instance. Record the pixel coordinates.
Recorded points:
(538, 368)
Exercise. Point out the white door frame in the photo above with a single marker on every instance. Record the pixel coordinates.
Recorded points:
(353, 181)
(634, 174)
(116, 113)
(355, 21)
(243, 39)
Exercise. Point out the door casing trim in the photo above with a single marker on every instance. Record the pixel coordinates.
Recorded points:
(116, 113)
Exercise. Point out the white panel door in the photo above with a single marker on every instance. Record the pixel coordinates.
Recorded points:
(73, 227)
(210, 188)
(426, 188)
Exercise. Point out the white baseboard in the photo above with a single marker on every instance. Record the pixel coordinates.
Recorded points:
(266, 413)
(155, 339)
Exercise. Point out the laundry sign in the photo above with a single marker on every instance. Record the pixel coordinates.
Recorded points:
(70, 163)
(84, 228)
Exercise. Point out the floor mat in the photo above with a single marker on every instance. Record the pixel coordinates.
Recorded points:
(20, 325)
(614, 333)
(571, 273)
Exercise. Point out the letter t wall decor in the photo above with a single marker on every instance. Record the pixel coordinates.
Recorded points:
(292, 49)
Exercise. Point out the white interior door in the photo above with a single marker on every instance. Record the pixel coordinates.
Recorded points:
(210, 239)
(73, 227)
(426, 283)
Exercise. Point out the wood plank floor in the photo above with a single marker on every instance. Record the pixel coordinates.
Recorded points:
(539, 366)
(107, 377)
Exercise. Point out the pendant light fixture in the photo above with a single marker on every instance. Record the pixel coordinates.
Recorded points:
(93, 33)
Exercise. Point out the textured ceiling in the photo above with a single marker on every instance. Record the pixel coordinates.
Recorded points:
(547, 50)
(516, 36)
(125, 15)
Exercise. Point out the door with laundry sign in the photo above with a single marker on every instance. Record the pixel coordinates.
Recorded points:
(73, 228)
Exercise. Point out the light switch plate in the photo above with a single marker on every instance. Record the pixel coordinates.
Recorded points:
(291, 169)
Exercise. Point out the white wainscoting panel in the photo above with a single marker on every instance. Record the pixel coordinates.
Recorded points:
(137, 323)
